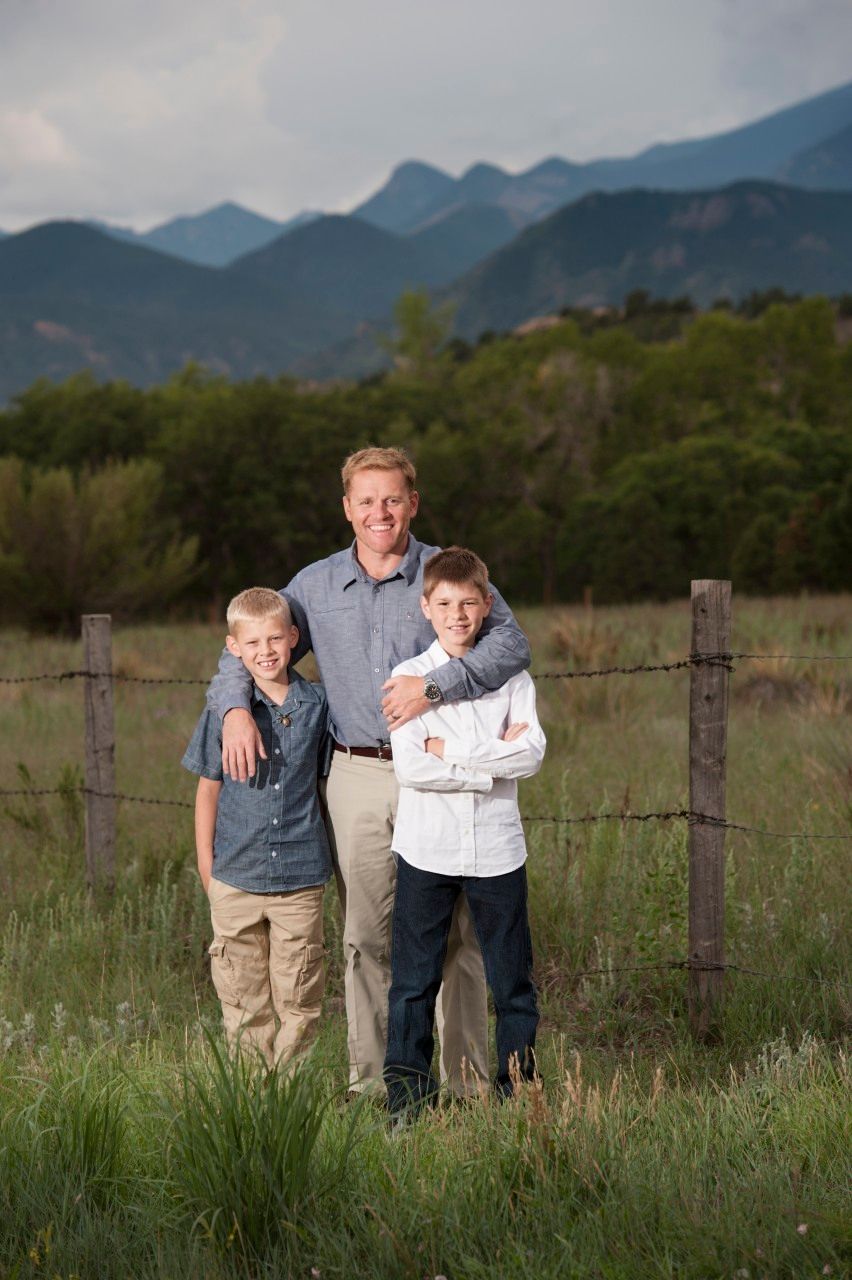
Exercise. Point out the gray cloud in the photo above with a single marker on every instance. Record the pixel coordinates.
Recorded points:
(135, 111)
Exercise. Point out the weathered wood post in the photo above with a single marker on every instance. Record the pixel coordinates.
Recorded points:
(100, 752)
(708, 746)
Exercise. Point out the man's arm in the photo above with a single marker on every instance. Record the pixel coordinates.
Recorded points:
(500, 652)
(229, 696)
(206, 805)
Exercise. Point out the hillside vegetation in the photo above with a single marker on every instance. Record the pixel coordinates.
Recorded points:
(584, 456)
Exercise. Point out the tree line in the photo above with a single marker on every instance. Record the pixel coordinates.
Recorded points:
(585, 455)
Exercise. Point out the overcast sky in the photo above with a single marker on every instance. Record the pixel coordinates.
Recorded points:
(137, 110)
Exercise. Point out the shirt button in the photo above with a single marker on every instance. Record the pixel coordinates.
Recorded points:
(275, 822)
(376, 669)
(278, 786)
(274, 854)
(277, 751)
(375, 631)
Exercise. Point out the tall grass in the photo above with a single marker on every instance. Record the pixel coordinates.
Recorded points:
(132, 1145)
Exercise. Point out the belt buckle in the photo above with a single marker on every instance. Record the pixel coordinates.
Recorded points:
(380, 752)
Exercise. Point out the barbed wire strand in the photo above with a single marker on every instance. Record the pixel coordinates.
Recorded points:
(688, 815)
(723, 660)
(116, 678)
(91, 791)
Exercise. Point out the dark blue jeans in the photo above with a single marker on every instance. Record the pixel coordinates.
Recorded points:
(423, 910)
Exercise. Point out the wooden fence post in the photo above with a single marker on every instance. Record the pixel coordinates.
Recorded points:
(100, 752)
(708, 734)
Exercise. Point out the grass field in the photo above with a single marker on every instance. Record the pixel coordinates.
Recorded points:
(130, 1147)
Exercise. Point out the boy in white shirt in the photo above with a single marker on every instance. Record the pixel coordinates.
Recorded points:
(458, 830)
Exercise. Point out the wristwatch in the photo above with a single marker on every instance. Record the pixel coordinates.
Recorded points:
(431, 690)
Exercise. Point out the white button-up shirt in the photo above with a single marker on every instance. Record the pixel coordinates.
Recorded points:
(459, 815)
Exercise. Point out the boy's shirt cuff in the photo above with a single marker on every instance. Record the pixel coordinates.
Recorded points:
(193, 765)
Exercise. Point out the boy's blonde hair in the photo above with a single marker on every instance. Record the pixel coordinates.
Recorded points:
(456, 565)
(255, 604)
(377, 459)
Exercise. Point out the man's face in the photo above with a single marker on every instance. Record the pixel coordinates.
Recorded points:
(264, 647)
(380, 507)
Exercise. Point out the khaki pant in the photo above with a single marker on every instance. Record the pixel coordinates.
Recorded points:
(362, 798)
(266, 959)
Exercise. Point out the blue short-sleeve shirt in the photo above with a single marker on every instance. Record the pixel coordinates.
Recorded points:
(270, 835)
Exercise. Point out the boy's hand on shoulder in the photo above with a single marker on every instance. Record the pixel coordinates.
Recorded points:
(435, 747)
(241, 745)
(515, 730)
(404, 700)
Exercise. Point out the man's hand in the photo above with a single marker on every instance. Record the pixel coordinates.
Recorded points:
(404, 700)
(241, 744)
(435, 747)
(514, 731)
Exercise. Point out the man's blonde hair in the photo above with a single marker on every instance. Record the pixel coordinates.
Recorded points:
(377, 459)
(457, 566)
(256, 604)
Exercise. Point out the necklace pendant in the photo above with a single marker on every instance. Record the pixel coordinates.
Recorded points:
(285, 720)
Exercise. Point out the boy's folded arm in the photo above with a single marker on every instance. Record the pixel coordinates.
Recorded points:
(519, 758)
(416, 767)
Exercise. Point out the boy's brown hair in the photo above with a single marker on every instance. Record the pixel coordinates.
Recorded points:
(378, 459)
(255, 604)
(455, 565)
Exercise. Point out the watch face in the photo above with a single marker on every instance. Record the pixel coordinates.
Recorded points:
(432, 691)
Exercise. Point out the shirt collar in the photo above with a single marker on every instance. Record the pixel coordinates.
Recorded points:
(351, 569)
(293, 698)
(438, 654)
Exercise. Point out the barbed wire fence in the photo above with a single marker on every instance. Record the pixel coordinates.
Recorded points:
(710, 664)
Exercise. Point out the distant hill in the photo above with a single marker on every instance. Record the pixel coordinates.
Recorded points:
(457, 240)
(826, 166)
(752, 235)
(789, 145)
(357, 270)
(343, 264)
(213, 238)
(71, 298)
(412, 192)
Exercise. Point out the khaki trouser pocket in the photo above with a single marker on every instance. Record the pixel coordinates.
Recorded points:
(311, 982)
(223, 973)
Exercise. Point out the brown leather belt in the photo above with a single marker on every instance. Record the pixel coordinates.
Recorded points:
(382, 752)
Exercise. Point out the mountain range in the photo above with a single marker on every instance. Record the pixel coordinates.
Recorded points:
(309, 295)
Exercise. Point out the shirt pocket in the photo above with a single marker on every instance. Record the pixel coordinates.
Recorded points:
(414, 633)
(334, 632)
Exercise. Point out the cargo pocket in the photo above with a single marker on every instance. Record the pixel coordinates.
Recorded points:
(222, 972)
(311, 976)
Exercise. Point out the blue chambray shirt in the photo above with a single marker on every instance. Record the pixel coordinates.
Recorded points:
(360, 629)
(270, 835)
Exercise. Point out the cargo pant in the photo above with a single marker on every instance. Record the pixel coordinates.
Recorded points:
(361, 797)
(266, 961)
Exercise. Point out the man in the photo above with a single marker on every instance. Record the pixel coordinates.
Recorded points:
(359, 610)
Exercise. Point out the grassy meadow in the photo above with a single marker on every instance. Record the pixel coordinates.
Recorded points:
(129, 1146)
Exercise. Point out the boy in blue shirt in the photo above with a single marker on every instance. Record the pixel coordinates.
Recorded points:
(263, 854)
